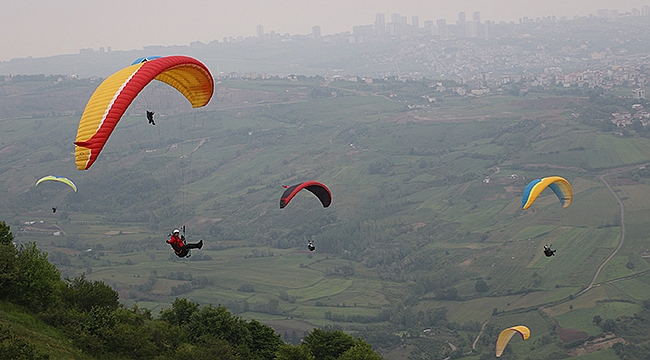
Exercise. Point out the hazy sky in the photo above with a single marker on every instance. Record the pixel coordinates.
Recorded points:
(45, 27)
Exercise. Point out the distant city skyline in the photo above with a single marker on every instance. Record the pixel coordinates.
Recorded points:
(37, 28)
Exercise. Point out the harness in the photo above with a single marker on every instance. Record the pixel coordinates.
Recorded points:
(182, 252)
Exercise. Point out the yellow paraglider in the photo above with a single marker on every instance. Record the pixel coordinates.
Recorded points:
(58, 179)
(507, 334)
(559, 185)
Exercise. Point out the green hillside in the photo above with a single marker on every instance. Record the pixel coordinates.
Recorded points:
(25, 334)
(426, 205)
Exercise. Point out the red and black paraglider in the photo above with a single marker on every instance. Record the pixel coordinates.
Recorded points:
(321, 191)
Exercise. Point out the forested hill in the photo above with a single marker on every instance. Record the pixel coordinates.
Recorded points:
(425, 230)
(45, 317)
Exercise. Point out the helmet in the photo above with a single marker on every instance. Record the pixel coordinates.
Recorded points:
(176, 231)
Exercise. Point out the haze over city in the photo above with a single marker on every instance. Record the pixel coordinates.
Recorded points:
(39, 29)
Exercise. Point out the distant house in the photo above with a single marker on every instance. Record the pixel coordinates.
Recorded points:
(639, 93)
(622, 119)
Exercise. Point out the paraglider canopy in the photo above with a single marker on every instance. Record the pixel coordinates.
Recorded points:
(559, 185)
(58, 179)
(145, 58)
(507, 334)
(321, 191)
(114, 95)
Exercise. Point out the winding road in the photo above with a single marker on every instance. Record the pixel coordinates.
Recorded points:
(479, 335)
(622, 241)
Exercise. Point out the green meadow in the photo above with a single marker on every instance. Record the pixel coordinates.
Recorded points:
(426, 204)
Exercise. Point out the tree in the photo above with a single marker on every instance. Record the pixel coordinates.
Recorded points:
(328, 345)
(7, 260)
(6, 237)
(211, 348)
(264, 341)
(219, 322)
(597, 319)
(361, 350)
(37, 282)
(84, 294)
(180, 312)
(608, 325)
(481, 286)
(298, 352)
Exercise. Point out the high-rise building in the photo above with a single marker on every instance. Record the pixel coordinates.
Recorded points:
(380, 23)
(415, 21)
(461, 18)
(260, 31)
(315, 32)
(476, 16)
(603, 13)
(487, 29)
(441, 27)
(471, 29)
(398, 25)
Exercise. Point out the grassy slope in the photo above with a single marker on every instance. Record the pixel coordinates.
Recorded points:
(45, 339)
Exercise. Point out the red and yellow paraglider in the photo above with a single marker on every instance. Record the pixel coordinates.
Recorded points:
(114, 95)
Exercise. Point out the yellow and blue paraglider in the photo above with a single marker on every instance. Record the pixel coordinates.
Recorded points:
(60, 179)
(559, 185)
(507, 334)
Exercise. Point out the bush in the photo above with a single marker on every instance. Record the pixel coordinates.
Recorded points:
(37, 282)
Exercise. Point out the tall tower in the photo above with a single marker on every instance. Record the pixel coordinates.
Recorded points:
(461, 18)
(260, 31)
(487, 32)
(315, 32)
(461, 22)
(442, 28)
(380, 23)
(476, 16)
(415, 21)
